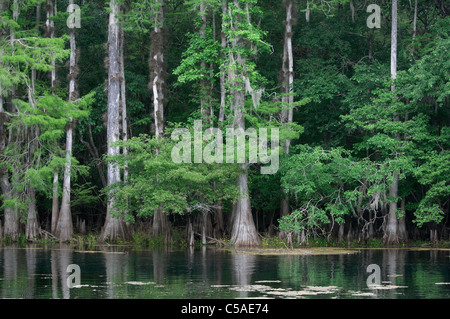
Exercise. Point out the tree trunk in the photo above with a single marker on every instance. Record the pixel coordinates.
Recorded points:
(114, 227)
(32, 226)
(161, 223)
(308, 11)
(243, 233)
(205, 87)
(403, 234)
(123, 102)
(219, 229)
(341, 233)
(415, 20)
(50, 28)
(11, 219)
(157, 69)
(352, 9)
(55, 202)
(64, 229)
(190, 234)
(287, 91)
(394, 42)
(284, 211)
(32, 133)
(161, 226)
(49, 25)
(222, 74)
(391, 235)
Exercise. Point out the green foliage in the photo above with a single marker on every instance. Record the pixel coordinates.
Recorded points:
(350, 132)
(317, 179)
(157, 181)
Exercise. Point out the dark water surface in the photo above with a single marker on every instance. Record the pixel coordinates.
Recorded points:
(117, 272)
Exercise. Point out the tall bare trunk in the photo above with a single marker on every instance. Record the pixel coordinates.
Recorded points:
(11, 219)
(243, 233)
(64, 228)
(55, 201)
(50, 28)
(222, 74)
(391, 231)
(49, 25)
(32, 225)
(403, 234)
(157, 69)
(415, 20)
(352, 9)
(114, 227)
(287, 99)
(123, 101)
(394, 41)
(161, 224)
(205, 87)
(219, 229)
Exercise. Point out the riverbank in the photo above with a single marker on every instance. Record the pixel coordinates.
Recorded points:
(144, 240)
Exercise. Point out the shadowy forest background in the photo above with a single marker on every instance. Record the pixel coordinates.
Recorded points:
(87, 107)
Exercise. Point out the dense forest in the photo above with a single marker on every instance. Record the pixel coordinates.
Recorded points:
(100, 101)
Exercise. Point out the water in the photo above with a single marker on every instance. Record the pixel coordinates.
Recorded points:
(118, 272)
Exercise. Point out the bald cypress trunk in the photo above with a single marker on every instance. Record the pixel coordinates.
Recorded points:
(55, 201)
(11, 219)
(287, 82)
(49, 25)
(205, 86)
(157, 68)
(161, 225)
(32, 133)
(223, 44)
(391, 235)
(243, 233)
(64, 228)
(114, 227)
(123, 101)
(32, 225)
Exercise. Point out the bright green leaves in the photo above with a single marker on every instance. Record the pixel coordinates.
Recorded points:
(51, 114)
(201, 49)
(26, 52)
(317, 181)
(434, 174)
(156, 179)
(178, 187)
